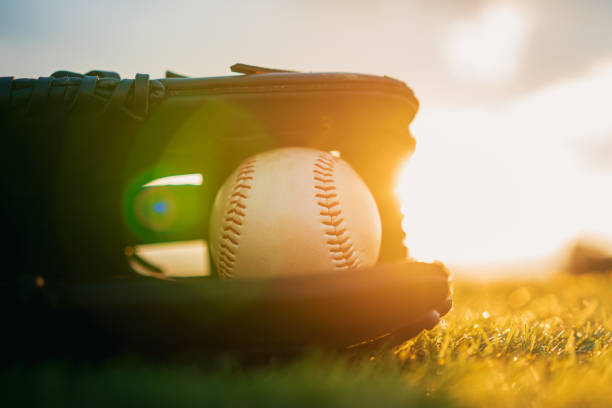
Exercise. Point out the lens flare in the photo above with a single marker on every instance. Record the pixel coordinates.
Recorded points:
(160, 207)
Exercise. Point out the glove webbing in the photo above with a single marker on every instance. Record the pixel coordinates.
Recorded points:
(97, 91)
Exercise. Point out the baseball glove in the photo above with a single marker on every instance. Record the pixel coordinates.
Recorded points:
(78, 150)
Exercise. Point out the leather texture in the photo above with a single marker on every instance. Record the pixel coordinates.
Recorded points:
(77, 150)
(384, 304)
(96, 138)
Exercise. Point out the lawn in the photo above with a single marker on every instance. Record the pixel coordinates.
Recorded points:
(527, 344)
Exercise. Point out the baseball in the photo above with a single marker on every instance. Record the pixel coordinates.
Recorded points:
(293, 211)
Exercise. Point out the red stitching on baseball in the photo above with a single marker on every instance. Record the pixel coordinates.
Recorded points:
(243, 185)
(323, 180)
(330, 213)
(337, 241)
(238, 204)
(224, 263)
(231, 228)
(235, 210)
(332, 223)
(233, 220)
(338, 231)
(349, 265)
(328, 205)
(330, 162)
(244, 178)
(229, 238)
(341, 249)
(246, 171)
(323, 166)
(227, 248)
(228, 258)
(239, 194)
(323, 173)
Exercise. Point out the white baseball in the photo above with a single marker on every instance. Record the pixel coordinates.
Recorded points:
(293, 211)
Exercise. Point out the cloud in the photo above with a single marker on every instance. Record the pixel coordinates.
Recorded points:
(405, 39)
(597, 154)
(566, 40)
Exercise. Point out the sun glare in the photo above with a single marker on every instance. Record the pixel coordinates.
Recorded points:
(194, 179)
(175, 259)
(487, 48)
(513, 184)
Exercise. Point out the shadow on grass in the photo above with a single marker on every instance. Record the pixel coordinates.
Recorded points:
(306, 382)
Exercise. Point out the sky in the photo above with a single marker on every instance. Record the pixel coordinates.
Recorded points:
(514, 134)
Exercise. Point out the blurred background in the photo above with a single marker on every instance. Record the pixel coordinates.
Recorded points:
(513, 164)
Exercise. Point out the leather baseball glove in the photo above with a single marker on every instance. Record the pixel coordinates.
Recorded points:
(77, 151)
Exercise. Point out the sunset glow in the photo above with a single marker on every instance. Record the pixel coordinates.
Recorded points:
(513, 134)
(488, 186)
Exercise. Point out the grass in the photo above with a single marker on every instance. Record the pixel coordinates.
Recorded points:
(529, 344)
(540, 344)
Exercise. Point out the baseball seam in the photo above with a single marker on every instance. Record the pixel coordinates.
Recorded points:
(343, 253)
(233, 218)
